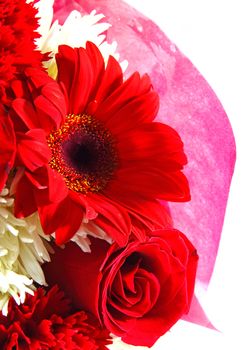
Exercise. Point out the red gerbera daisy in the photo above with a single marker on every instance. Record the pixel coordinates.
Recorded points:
(18, 25)
(46, 322)
(88, 148)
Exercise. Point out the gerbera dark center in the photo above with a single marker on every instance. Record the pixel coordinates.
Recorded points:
(83, 153)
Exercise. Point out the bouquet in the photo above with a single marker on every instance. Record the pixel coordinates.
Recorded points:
(92, 247)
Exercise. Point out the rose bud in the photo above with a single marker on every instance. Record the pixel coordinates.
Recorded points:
(139, 291)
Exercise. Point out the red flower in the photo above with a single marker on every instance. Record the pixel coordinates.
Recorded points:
(139, 291)
(18, 25)
(44, 322)
(7, 146)
(88, 148)
(189, 104)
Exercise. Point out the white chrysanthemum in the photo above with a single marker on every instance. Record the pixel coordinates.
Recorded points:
(75, 32)
(89, 229)
(22, 251)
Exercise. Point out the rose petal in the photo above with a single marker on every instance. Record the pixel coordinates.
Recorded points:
(190, 106)
(79, 270)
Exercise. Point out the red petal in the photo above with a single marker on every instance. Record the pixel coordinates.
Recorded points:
(63, 218)
(7, 147)
(33, 151)
(123, 94)
(136, 182)
(24, 207)
(38, 178)
(54, 95)
(48, 186)
(140, 110)
(50, 115)
(51, 216)
(65, 59)
(78, 269)
(73, 216)
(111, 79)
(56, 185)
(112, 218)
(25, 110)
(48, 108)
(37, 78)
(151, 213)
(152, 145)
(74, 64)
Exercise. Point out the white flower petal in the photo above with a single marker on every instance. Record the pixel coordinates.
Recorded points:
(75, 32)
(89, 229)
(22, 251)
(45, 15)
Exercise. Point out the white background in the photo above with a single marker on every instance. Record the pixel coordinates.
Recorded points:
(214, 35)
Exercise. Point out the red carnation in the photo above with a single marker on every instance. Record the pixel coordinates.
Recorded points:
(44, 322)
(18, 25)
(88, 149)
(138, 292)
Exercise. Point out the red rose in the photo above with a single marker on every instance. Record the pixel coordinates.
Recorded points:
(138, 292)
